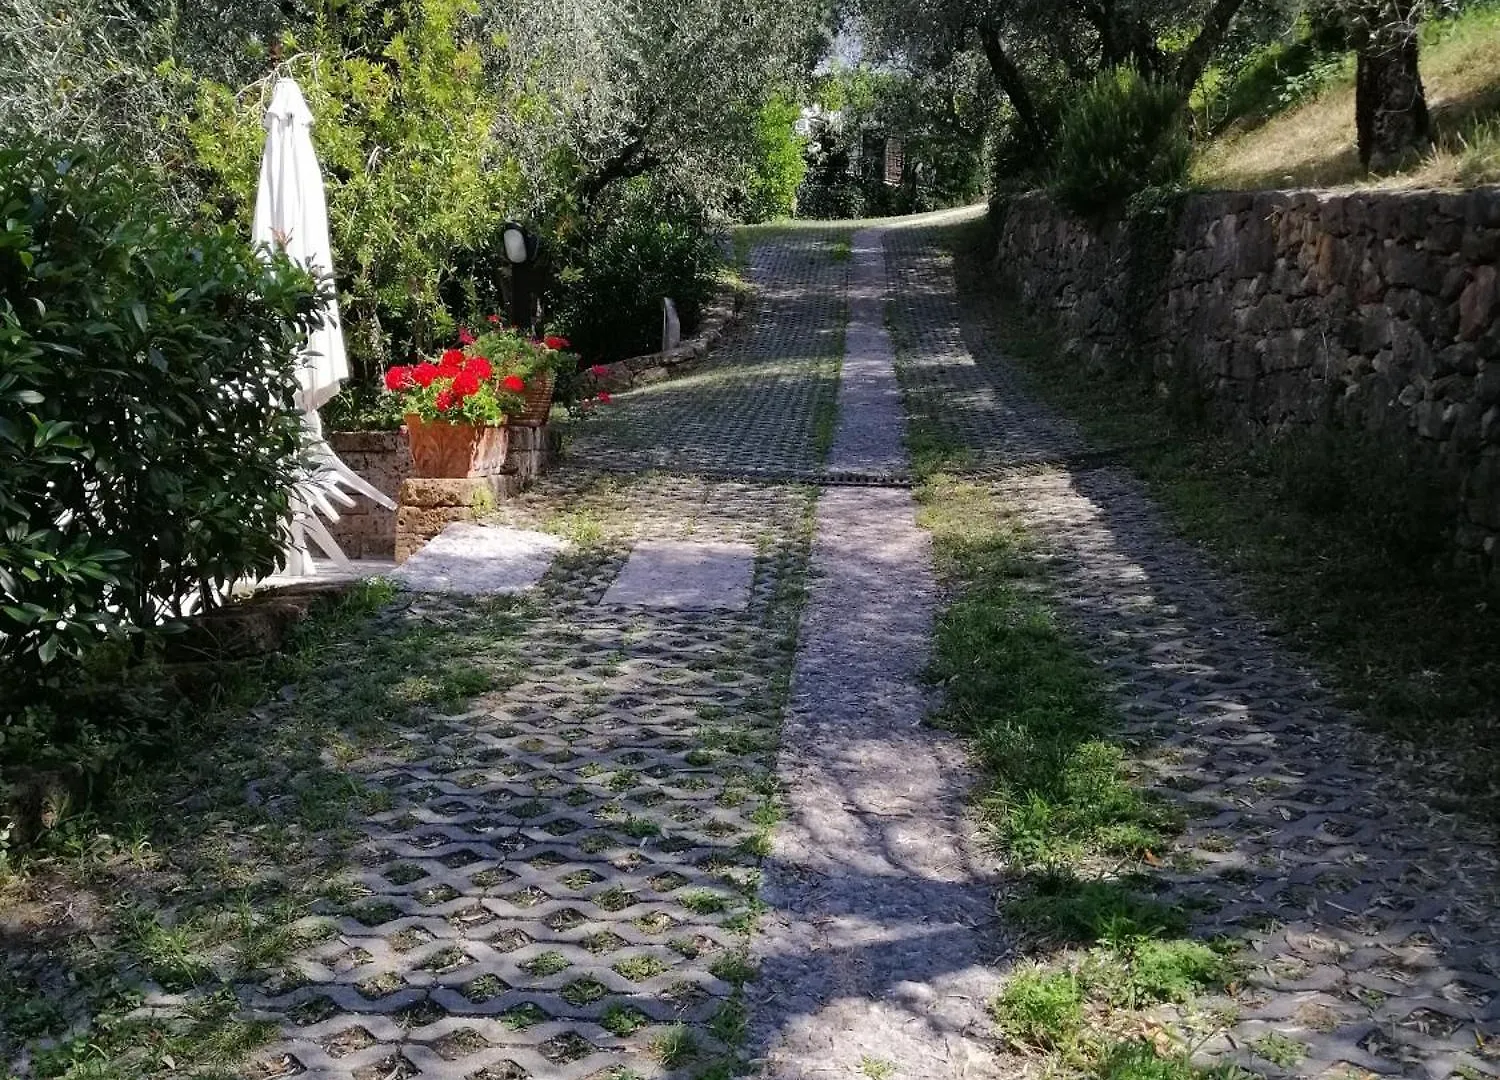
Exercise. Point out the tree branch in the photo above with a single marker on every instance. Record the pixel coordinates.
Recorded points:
(633, 159)
(1009, 76)
(1197, 55)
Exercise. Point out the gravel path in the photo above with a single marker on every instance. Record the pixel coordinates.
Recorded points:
(882, 914)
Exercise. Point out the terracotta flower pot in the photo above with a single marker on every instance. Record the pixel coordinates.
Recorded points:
(538, 399)
(444, 451)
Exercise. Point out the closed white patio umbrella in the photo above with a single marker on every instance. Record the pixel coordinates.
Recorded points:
(291, 212)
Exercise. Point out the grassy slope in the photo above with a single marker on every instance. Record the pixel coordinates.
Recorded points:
(1312, 144)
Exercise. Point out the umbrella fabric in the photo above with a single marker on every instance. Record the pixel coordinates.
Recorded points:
(291, 212)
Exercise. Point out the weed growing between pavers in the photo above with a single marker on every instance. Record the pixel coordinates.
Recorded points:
(1065, 811)
(1063, 805)
(333, 764)
(1022, 691)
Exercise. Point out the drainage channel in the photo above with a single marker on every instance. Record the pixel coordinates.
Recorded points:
(1080, 462)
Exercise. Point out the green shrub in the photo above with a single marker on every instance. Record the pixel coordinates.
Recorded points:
(147, 438)
(1122, 134)
(614, 274)
(416, 184)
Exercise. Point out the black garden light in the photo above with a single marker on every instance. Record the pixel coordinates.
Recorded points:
(520, 248)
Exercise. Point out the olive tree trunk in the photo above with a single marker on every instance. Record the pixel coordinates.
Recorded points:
(1390, 104)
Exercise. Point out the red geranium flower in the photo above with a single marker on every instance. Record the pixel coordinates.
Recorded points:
(453, 357)
(464, 337)
(480, 366)
(514, 383)
(464, 384)
(494, 320)
(556, 343)
(444, 400)
(424, 375)
(598, 371)
(396, 378)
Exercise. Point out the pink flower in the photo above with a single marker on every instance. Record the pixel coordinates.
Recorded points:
(464, 337)
(598, 371)
(493, 320)
(604, 398)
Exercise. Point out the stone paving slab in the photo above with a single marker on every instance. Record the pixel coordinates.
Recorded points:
(685, 576)
(881, 940)
(480, 560)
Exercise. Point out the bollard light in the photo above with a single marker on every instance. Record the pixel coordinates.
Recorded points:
(520, 249)
(520, 246)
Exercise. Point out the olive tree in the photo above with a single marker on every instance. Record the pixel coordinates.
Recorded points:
(1390, 103)
(610, 90)
(1036, 48)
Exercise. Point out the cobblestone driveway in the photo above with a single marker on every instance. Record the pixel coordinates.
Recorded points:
(563, 876)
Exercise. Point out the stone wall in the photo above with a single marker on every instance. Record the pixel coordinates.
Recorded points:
(367, 531)
(1287, 309)
(717, 319)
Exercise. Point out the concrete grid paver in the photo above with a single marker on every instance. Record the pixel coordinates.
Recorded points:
(580, 848)
(583, 844)
(755, 407)
(1370, 919)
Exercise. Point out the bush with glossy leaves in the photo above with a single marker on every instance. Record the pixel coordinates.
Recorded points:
(147, 431)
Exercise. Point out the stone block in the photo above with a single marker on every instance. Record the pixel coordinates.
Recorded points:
(1409, 267)
(254, 626)
(1476, 304)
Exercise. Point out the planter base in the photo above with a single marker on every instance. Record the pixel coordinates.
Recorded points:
(426, 506)
(366, 531)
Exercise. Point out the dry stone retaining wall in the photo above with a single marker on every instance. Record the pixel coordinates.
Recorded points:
(1295, 308)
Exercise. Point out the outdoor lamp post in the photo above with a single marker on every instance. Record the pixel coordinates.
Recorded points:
(520, 249)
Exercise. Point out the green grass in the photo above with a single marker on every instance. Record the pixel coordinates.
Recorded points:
(1279, 1049)
(1061, 800)
(175, 875)
(545, 964)
(1041, 1010)
(1021, 690)
(1340, 540)
(1074, 911)
(640, 968)
(1287, 117)
(676, 1046)
(622, 1020)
